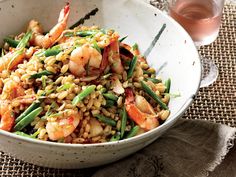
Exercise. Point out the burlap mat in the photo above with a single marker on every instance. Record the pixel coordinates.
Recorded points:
(216, 103)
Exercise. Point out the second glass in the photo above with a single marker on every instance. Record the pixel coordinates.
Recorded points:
(200, 18)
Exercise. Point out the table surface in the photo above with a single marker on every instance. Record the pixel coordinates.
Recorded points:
(216, 103)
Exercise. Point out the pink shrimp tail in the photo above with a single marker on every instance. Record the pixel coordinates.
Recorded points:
(64, 12)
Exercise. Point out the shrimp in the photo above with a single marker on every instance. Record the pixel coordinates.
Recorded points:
(38, 39)
(7, 117)
(129, 52)
(11, 59)
(140, 111)
(114, 57)
(11, 90)
(84, 56)
(61, 128)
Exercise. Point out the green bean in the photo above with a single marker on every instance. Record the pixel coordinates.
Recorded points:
(154, 80)
(23, 134)
(132, 66)
(23, 42)
(83, 94)
(110, 103)
(40, 74)
(52, 51)
(32, 107)
(149, 91)
(167, 84)
(11, 42)
(122, 39)
(110, 96)
(27, 119)
(123, 122)
(133, 132)
(106, 120)
(115, 137)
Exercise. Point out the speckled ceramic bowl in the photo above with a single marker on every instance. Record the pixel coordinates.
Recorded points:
(141, 22)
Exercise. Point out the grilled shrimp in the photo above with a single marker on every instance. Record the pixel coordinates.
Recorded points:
(38, 39)
(140, 111)
(12, 90)
(84, 56)
(7, 117)
(11, 59)
(114, 57)
(62, 127)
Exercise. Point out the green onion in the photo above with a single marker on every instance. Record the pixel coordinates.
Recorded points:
(2, 52)
(147, 72)
(52, 51)
(27, 119)
(95, 45)
(49, 112)
(154, 80)
(110, 96)
(103, 90)
(23, 42)
(167, 84)
(173, 95)
(106, 76)
(132, 66)
(65, 86)
(40, 74)
(135, 46)
(106, 120)
(43, 81)
(133, 132)
(11, 42)
(80, 33)
(103, 31)
(153, 95)
(15, 55)
(24, 134)
(122, 39)
(123, 122)
(83, 94)
(110, 103)
(32, 107)
(115, 137)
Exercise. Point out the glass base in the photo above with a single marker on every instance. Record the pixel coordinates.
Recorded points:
(207, 40)
(209, 72)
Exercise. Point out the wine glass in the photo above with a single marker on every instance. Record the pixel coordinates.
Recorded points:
(201, 19)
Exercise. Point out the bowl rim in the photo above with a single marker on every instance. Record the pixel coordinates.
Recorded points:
(169, 122)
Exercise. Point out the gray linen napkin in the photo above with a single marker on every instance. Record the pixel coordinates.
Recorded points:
(189, 148)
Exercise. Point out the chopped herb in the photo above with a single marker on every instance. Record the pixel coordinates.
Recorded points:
(135, 46)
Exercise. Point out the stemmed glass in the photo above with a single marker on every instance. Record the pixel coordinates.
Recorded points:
(201, 19)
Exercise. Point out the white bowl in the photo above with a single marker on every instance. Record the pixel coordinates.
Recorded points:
(141, 22)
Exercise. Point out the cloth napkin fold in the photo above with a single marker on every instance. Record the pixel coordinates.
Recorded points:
(190, 148)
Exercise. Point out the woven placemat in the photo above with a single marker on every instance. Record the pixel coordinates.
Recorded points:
(216, 103)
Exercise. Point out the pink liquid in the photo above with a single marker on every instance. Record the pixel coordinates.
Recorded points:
(200, 18)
